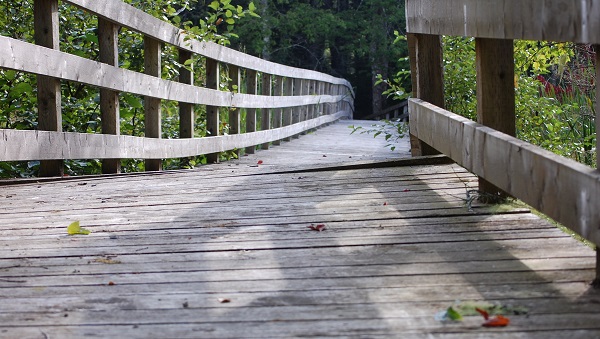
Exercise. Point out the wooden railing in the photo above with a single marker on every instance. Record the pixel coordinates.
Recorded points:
(290, 101)
(559, 187)
(395, 112)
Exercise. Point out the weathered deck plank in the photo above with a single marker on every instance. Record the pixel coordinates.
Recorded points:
(400, 245)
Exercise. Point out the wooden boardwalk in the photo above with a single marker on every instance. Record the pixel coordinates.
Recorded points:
(225, 251)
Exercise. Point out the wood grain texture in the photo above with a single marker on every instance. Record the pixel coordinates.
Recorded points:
(213, 123)
(399, 247)
(561, 188)
(152, 105)
(555, 20)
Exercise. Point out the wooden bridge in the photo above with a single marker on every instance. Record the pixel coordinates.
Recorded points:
(313, 231)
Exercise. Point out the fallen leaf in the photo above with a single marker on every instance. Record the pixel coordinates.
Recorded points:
(260, 162)
(406, 190)
(318, 227)
(110, 283)
(224, 300)
(385, 203)
(497, 321)
(484, 313)
(324, 156)
(452, 314)
(75, 228)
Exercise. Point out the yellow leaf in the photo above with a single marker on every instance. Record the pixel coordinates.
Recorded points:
(74, 228)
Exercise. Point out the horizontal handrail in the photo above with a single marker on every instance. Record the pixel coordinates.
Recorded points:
(23, 56)
(574, 21)
(288, 100)
(127, 16)
(565, 190)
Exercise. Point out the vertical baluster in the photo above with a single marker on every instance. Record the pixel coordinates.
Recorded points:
(152, 109)
(48, 95)
(265, 119)
(288, 89)
(277, 112)
(305, 109)
(109, 100)
(186, 110)
(495, 92)
(297, 110)
(328, 90)
(212, 112)
(251, 88)
(234, 112)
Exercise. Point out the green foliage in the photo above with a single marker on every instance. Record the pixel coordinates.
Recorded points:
(80, 103)
(392, 130)
(553, 87)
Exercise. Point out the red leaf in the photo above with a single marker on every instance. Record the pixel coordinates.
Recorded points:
(318, 228)
(224, 300)
(497, 321)
(385, 203)
(484, 313)
(110, 283)
(406, 190)
(259, 162)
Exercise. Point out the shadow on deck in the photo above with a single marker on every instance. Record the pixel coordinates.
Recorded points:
(226, 251)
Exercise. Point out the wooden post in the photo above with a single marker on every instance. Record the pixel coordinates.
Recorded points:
(265, 119)
(251, 88)
(48, 96)
(425, 53)
(186, 110)
(278, 112)
(234, 112)
(288, 90)
(297, 110)
(109, 100)
(212, 112)
(305, 109)
(152, 109)
(495, 93)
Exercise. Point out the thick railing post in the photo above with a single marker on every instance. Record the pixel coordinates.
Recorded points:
(234, 112)
(48, 96)
(212, 112)
(288, 90)
(251, 88)
(265, 119)
(277, 112)
(495, 93)
(186, 110)
(152, 106)
(425, 53)
(109, 100)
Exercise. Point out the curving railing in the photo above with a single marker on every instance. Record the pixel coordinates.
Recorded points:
(290, 101)
(563, 189)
